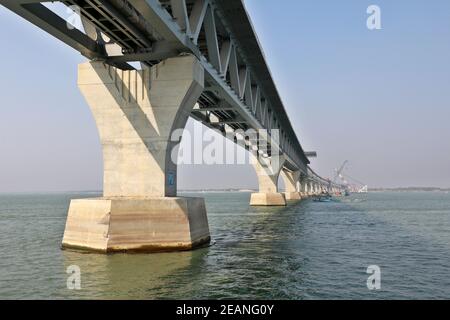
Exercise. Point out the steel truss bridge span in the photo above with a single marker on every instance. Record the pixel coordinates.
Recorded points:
(239, 92)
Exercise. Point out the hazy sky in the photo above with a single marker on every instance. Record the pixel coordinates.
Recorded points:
(380, 99)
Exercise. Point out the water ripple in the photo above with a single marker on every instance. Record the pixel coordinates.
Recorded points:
(307, 250)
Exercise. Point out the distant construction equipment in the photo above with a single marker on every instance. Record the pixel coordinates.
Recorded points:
(354, 185)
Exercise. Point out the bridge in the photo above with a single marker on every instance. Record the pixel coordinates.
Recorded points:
(199, 59)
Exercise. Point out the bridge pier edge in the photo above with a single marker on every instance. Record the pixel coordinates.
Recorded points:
(136, 113)
(291, 180)
(304, 187)
(268, 173)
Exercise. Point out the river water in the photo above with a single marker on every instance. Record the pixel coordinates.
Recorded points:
(308, 250)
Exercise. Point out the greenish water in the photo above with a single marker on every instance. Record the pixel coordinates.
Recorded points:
(308, 250)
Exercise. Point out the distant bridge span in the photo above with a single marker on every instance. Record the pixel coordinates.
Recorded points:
(200, 58)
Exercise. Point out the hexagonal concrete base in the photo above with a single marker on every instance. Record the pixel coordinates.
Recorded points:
(136, 224)
(292, 195)
(267, 199)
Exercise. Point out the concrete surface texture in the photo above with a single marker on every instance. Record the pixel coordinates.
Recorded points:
(145, 225)
(268, 172)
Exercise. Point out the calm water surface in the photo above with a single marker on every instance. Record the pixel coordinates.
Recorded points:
(308, 250)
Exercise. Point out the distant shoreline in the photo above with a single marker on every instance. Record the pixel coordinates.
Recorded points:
(410, 189)
(219, 190)
(399, 189)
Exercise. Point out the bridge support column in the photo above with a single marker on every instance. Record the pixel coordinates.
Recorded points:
(291, 181)
(303, 187)
(268, 171)
(311, 188)
(136, 113)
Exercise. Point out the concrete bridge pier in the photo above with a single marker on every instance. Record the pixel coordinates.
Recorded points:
(303, 187)
(307, 188)
(291, 182)
(268, 172)
(314, 189)
(136, 113)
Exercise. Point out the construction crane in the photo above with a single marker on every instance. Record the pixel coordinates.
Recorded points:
(357, 185)
(339, 171)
